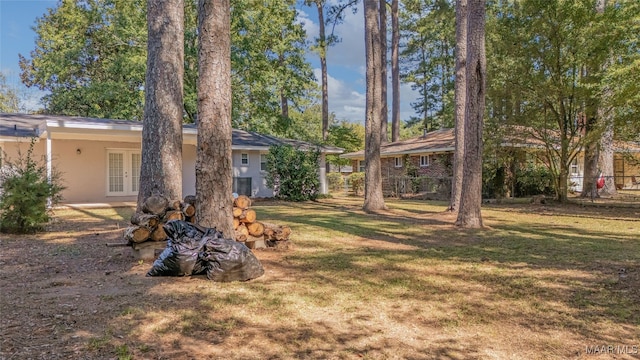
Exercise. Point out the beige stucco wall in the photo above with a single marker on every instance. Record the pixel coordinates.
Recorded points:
(84, 175)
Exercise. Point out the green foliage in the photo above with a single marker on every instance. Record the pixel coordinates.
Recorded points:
(9, 101)
(293, 173)
(427, 60)
(91, 58)
(336, 181)
(533, 180)
(346, 135)
(24, 193)
(356, 182)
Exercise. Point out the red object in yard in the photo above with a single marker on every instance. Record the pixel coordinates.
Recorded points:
(600, 182)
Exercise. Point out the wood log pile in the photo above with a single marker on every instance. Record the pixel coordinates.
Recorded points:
(157, 210)
(249, 231)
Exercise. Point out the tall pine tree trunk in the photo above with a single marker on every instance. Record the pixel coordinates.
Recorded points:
(384, 121)
(460, 101)
(373, 197)
(161, 160)
(606, 153)
(213, 164)
(395, 72)
(469, 215)
(323, 71)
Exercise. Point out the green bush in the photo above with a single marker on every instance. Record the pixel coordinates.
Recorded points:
(25, 192)
(293, 173)
(533, 180)
(356, 182)
(336, 181)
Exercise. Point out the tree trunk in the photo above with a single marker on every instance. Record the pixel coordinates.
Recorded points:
(395, 72)
(590, 175)
(384, 117)
(373, 198)
(469, 215)
(161, 159)
(323, 70)
(214, 181)
(460, 101)
(606, 155)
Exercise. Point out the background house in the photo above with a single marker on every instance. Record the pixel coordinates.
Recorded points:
(430, 158)
(100, 158)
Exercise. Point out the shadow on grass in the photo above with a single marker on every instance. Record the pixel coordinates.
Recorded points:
(328, 301)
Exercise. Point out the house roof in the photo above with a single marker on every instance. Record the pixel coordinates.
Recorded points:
(14, 126)
(437, 141)
(440, 141)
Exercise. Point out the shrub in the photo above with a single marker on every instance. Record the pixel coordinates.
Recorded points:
(356, 182)
(293, 173)
(25, 192)
(336, 181)
(533, 180)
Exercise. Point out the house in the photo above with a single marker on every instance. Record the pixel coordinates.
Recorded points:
(99, 159)
(431, 156)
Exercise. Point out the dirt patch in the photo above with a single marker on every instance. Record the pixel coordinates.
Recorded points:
(393, 295)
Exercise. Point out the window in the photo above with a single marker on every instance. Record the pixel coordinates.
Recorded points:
(244, 159)
(242, 185)
(398, 162)
(263, 162)
(361, 164)
(424, 160)
(123, 172)
(574, 167)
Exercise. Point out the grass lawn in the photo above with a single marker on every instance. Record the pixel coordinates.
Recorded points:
(539, 282)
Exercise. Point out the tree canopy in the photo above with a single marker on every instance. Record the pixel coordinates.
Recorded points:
(91, 58)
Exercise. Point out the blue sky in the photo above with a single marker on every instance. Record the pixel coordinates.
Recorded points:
(345, 61)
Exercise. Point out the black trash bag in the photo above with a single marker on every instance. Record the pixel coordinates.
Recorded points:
(180, 257)
(229, 260)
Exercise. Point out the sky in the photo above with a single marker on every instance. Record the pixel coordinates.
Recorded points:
(345, 60)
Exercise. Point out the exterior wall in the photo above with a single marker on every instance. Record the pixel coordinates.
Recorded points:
(84, 175)
(258, 182)
(627, 167)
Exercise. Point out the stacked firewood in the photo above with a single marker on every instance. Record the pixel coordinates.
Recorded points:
(249, 231)
(157, 210)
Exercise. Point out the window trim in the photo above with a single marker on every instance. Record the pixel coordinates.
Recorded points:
(397, 161)
(243, 157)
(427, 163)
(361, 165)
(263, 155)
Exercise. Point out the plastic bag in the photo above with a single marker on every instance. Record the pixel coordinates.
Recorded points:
(229, 260)
(194, 250)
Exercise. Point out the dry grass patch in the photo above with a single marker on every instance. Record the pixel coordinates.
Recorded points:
(537, 283)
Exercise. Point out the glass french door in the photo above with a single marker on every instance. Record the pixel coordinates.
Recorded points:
(123, 172)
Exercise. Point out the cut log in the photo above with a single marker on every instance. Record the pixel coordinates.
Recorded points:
(188, 210)
(276, 232)
(241, 233)
(190, 199)
(173, 215)
(242, 229)
(247, 216)
(143, 219)
(242, 201)
(158, 234)
(155, 204)
(236, 223)
(237, 211)
(136, 233)
(255, 228)
(175, 204)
